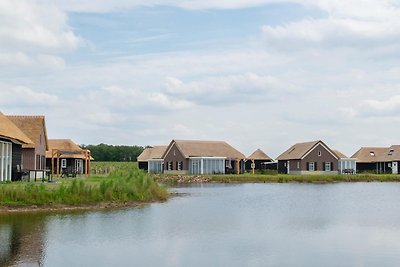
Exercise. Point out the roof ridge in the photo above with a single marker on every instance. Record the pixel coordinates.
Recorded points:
(27, 116)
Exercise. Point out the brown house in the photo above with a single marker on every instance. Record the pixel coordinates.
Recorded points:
(309, 157)
(151, 159)
(11, 141)
(72, 159)
(33, 155)
(378, 159)
(202, 157)
(260, 160)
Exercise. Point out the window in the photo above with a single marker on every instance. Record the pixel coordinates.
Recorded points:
(179, 165)
(328, 166)
(228, 164)
(63, 163)
(391, 152)
(298, 165)
(372, 153)
(174, 152)
(169, 166)
(319, 153)
(311, 166)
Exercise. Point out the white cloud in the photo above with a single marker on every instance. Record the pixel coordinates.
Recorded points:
(31, 32)
(20, 95)
(226, 90)
(389, 107)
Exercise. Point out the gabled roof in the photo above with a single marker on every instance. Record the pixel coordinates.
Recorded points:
(340, 154)
(197, 148)
(9, 130)
(300, 150)
(259, 155)
(70, 149)
(155, 152)
(31, 126)
(378, 154)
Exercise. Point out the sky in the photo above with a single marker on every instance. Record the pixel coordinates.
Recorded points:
(255, 73)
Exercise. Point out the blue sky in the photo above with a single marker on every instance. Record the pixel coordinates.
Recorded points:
(256, 73)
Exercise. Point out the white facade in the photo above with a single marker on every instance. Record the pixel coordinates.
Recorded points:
(347, 165)
(5, 161)
(155, 166)
(207, 165)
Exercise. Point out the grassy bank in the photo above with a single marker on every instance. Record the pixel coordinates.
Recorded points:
(121, 185)
(277, 178)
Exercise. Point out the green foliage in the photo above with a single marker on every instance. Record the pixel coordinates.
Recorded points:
(104, 152)
(125, 184)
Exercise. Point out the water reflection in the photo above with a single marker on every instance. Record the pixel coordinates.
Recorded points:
(220, 225)
(22, 240)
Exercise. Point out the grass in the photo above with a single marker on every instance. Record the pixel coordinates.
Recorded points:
(312, 178)
(276, 178)
(124, 183)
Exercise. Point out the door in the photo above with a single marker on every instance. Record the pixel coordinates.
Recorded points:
(395, 167)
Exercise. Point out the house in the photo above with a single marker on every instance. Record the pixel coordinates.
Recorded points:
(33, 155)
(151, 159)
(66, 157)
(202, 157)
(260, 160)
(11, 141)
(307, 158)
(378, 159)
(346, 165)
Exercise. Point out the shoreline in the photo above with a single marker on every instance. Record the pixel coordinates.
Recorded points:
(107, 205)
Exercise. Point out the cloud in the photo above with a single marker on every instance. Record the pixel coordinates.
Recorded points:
(31, 33)
(379, 108)
(20, 95)
(226, 90)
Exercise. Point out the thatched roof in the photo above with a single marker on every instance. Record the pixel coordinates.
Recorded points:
(340, 154)
(196, 148)
(10, 131)
(67, 147)
(299, 150)
(259, 155)
(31, 126)
(378, 154)
(155, 152)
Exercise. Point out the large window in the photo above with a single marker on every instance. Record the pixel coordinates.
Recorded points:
(63, 163)
(169, 165)
(311, 166)
(5, 161)
(328, 166)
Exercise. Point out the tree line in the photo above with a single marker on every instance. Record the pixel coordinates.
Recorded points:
(104, 152)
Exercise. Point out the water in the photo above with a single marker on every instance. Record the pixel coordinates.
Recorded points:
(220, 225)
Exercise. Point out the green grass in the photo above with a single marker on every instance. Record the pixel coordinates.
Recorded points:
(312, 178)
(124, 183)
(277, 178)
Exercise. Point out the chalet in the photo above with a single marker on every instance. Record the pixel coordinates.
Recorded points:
(309, 157)
(66, 157)
(260, 160)
(11, 141)
(202, 157)
(33, 155)
(151, 159)
(378, 159)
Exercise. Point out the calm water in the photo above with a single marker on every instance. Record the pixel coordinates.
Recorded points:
(220, 225)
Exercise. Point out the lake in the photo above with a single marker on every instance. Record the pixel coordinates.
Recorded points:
(345, 224)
